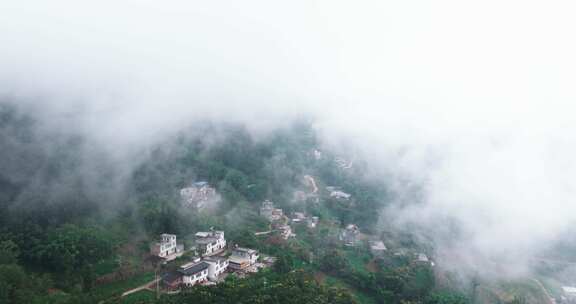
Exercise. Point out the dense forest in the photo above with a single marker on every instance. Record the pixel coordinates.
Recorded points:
(74, 228)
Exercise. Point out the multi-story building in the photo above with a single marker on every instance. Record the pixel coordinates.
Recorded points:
(218, 266)
(243, 258)
(210, 243)
(269, 212)
(166, 247)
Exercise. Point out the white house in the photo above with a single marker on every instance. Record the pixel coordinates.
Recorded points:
(317, 154)
(421, 257)
(312, 222)
(194, 273)
(210, 243)
(569, 294)
(166, 247)
(243, 258)
(377, 247)
(350, 235)
(340, 195)
(218, 266)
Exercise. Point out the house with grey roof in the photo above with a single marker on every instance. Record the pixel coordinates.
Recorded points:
(194, 273)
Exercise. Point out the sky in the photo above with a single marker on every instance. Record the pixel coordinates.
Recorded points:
(473, 100)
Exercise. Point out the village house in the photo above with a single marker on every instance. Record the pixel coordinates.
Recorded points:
(377, 247)
(317, 154)
(210, 243)
(423, 259)
(243, 258)
(198, 196)
(194, 273)
(197, 271)
(284, 230)
(301, 218)
(269, 212)
(167, 248)
(350, 235)
(401, 252)
(569, 294)
(218, 266)
(298, 217)
(312, 222)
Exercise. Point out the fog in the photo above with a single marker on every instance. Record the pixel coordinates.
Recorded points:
(473, 102)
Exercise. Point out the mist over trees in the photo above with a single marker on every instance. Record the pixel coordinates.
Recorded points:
(59, 224)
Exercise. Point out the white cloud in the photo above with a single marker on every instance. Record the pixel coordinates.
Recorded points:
(480, 94)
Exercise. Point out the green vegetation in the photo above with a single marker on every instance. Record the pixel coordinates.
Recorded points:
(71, 237)
(293, 287)
(144, 296)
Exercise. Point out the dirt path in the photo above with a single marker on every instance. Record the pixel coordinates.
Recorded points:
(312, 182)
(137, 289)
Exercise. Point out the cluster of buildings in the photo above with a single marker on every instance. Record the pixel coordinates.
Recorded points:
(277, 218)
(301, 218)
(271, 213)
(213, 263)
(417, 257)
(199, 271)
(199, 195)
(210, 243)
(350, 235)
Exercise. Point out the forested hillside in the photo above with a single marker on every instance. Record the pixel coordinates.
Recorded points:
(76, 229)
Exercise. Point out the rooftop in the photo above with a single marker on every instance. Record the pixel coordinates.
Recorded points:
(422, 257)
(208, 240)
(247, 250)
(377, 245)
(215, 259)
(195, 268)
(569, 289)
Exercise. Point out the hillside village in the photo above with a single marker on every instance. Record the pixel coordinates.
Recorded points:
(276, 219)
(211, 258)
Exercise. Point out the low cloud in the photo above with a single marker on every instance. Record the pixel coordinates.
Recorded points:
(471, 102)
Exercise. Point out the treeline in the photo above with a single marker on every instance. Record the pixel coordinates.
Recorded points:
(268, 287)
(62, 212)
